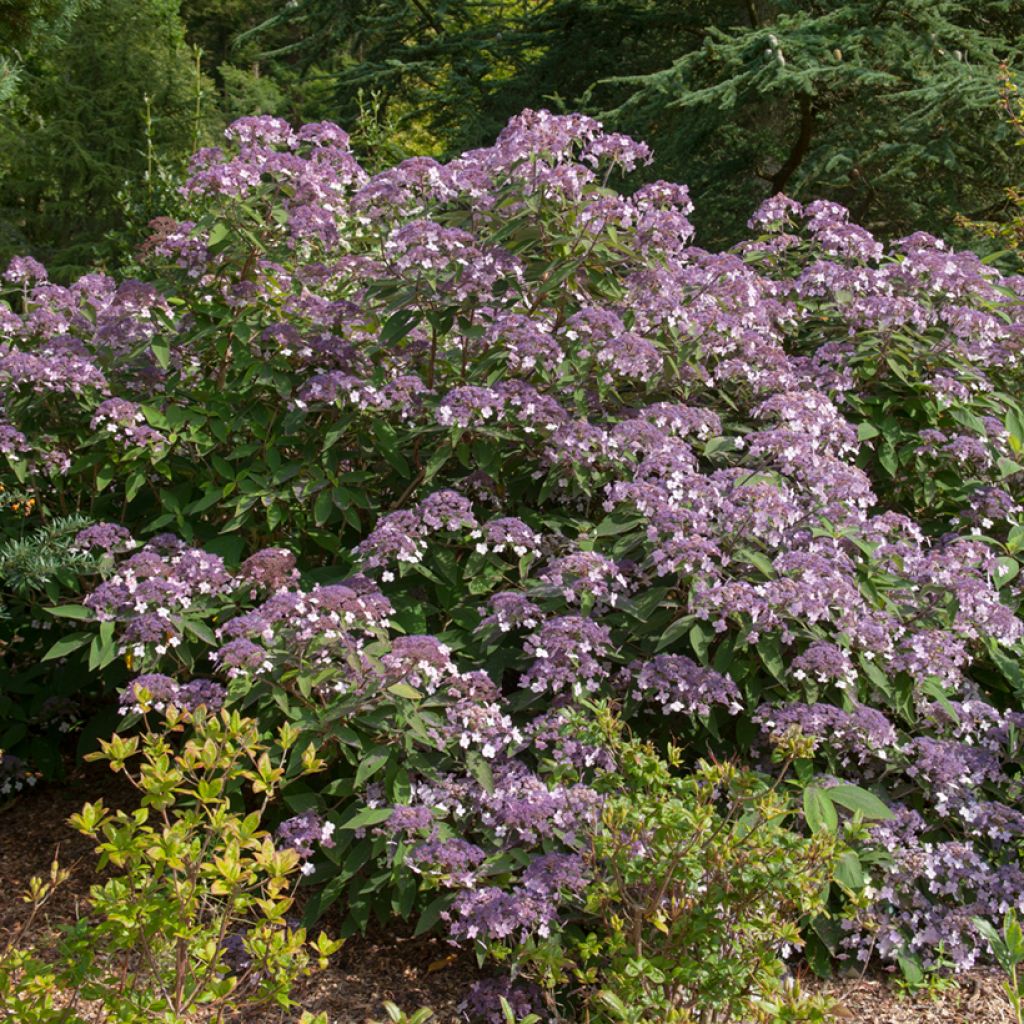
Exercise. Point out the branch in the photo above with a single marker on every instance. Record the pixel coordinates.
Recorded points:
(427, 16)
(800, 147)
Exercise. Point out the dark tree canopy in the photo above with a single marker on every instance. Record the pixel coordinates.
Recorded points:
(26, 25)
(891, 108)
(97, 117)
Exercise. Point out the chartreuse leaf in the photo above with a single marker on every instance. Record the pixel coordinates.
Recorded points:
(406, 691)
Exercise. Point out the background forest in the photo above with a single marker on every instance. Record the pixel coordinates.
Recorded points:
(891, 108)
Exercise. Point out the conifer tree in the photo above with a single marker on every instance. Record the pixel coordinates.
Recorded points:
(98, 114)
(889, 107)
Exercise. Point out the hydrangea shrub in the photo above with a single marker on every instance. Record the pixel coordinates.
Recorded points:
(423, 462)
(681, 900)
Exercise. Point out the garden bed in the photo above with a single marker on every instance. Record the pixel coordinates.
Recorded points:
(384, 966)
(465, 540)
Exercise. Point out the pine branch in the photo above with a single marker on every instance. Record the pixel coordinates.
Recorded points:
(29, 563)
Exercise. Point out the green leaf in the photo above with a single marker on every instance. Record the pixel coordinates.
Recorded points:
(405, 690)
(700, 640)
(1006, 570)
(133, 485)
(902, 371)
(614, 1004)
(103, 649)
(218, 233)
(933, 687)
(876, 675)
(372, 763)
(1015, 426)
(854, 798)
(913, 972)
(211, 496)
(432, 913)
(411, 617)
(70, 611)
(1007, 665)
(676, 630)
(818, 957)
(399, 325)
(480, 769)
(162, 352)
(323, 507)
(819, 810)
(988, 930)
(643, 605)
(849, 872)
(887, 457)
(67, 645)
(367, 817)
(436, 461)
(200, 630)
(1008, 468)
(1013, 936)
(612, 525)
(771, 656)
(759, 560)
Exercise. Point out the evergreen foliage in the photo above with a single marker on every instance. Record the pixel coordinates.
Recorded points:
(1005, 228)
(46, 554)
(891, 109)
(25, 25)
(99, 119)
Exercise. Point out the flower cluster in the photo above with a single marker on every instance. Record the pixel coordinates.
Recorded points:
(126, 422)
(158, 692)
(859, 738)
(14, 775)
(927, 894)
(302, 832)
(153, 589)
(531, 908)
(679, 684)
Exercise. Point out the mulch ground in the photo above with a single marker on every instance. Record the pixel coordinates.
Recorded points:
(393, 966)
